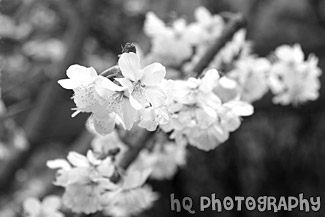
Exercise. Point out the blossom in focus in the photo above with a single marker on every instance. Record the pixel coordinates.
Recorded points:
(142, 83)
(144, 91)
(82, 80)
(49, 207)
(292, 79)
(87, 86)
(101, 97)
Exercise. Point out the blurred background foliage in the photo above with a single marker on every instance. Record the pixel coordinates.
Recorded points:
(279, 151)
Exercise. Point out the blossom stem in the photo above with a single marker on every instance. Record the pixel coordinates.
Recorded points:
(110, 72)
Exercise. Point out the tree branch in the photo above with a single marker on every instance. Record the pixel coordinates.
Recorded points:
(234, 24)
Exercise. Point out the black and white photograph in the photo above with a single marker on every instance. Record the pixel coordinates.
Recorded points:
(162, 108)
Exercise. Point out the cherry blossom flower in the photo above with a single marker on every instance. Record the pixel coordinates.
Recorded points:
(152, 117)
(175, 37)
(251, 75)
(142, 83)
(49, 207)
(132, 196)
(101, 97)
(81, 80)
(207, 27)
(85, 179)
(163, 160)
(293, 79)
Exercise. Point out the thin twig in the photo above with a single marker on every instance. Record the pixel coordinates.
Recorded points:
(317, 9)
(16, 109)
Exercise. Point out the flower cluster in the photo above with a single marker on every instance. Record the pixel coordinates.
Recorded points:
(94, 183)
(290, 78)
(124, 100)
(204, 111)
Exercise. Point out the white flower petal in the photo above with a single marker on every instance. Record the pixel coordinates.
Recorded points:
(126, 83)
(81, 74)
(134, 103)
(51, 203)
(32, 206)
(92, 159)
(103, 126)
(77, 159)
(58, 164)
(153, 26)
(68, 84)
(153, 74)
(106, 168)
(156, 96)
(129, 114)
(240, 108)
(202, 15)
(129, 64)
(136, 179)
(105, 87)
(209, 81)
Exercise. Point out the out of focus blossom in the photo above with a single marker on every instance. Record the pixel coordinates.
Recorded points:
(131, 197)
(251, 74)
(292, 79)
(102, 145)
(170, 44)
(135, 7)
(207, 28)
(49, 207)
(85, 179)
(51, 49)
(44, 17)
(163, 160)
(9, 28)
